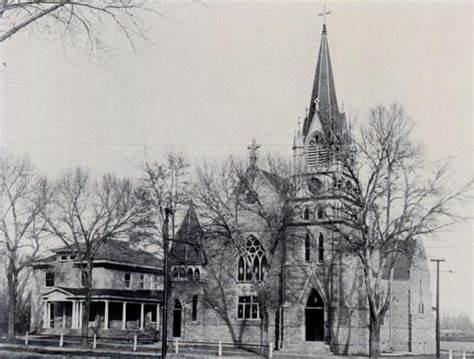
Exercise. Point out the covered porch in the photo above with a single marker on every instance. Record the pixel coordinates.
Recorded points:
(122, 310)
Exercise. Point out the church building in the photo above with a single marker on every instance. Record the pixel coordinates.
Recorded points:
(320, 300)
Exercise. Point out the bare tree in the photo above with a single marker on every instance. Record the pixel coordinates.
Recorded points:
(388, 203)
(86, 213)
(228, 196)
(23, 196)
(86, 18)
(167, 185)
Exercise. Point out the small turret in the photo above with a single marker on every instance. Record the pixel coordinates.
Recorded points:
(298, 150)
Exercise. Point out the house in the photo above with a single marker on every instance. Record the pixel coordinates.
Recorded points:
(317, 303)
(126, 291)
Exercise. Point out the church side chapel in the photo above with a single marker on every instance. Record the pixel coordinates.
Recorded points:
(300, 292)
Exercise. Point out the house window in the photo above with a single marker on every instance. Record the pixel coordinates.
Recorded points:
(321, 248)
(190, 274)
(197, 275)
(64, 257)
(127, 279)
(72, 257)
(307, 248)
(248, 308)
(194, 311)
(141, 283)
(49, 279)
(253, 264)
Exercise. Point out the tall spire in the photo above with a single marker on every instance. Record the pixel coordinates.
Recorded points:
(323, 97)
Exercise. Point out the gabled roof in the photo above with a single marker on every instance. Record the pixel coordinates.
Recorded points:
(187, 247)
(114, 251)
(404, 260)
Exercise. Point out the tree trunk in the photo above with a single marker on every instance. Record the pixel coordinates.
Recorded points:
(87, 304)
(12, 279)
(374, 344)
(263, 330)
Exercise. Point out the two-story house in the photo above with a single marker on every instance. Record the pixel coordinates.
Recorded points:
(126, 291)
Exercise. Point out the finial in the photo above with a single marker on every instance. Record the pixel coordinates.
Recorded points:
(253, 147)
(323, 14)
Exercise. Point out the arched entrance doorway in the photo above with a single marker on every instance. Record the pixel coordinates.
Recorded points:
(177, 311)
(314, 317)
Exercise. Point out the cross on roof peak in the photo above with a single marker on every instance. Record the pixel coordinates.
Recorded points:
(253, 147)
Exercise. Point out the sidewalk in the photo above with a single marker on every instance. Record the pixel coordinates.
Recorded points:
(21, 350)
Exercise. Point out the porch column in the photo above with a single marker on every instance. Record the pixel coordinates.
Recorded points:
(157, 317)
(142, 316)
(80, 314)
(75, 311)
(46, 314)
(64, 314)
(73, 315)
(106, 314)
(124, 315)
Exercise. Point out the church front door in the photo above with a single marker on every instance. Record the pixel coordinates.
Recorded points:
(314, 317)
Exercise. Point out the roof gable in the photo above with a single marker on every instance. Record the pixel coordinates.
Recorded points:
(187, 248)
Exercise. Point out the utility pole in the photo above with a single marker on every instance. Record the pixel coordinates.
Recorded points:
(164, 316)
(437, 305)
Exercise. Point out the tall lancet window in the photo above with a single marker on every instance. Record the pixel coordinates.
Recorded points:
(307, 248)
(321, 248)
(317, 154)
(253, 264)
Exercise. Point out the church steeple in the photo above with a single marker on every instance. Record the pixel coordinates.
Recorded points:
(323, 101)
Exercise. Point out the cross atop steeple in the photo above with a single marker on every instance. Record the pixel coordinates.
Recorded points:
(324, 13)
(253, 147)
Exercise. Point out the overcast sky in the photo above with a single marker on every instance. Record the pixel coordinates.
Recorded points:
(217, 75)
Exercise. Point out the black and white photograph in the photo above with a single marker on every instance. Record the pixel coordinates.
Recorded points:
(278, 179)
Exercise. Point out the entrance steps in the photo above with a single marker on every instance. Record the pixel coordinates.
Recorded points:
(306, 348)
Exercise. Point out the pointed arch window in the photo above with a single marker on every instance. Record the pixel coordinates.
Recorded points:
(194, 309)
(252, 264)
(197, 275)
(241, 270)
(421, 304)
(306, 214)
(175, 273)
(307, 248)
(190, 274)
(320, 213)
(321, 248)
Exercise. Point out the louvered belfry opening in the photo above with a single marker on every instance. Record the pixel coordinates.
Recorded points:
(318, 151)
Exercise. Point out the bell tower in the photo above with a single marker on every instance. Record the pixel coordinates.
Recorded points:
(324, 136)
